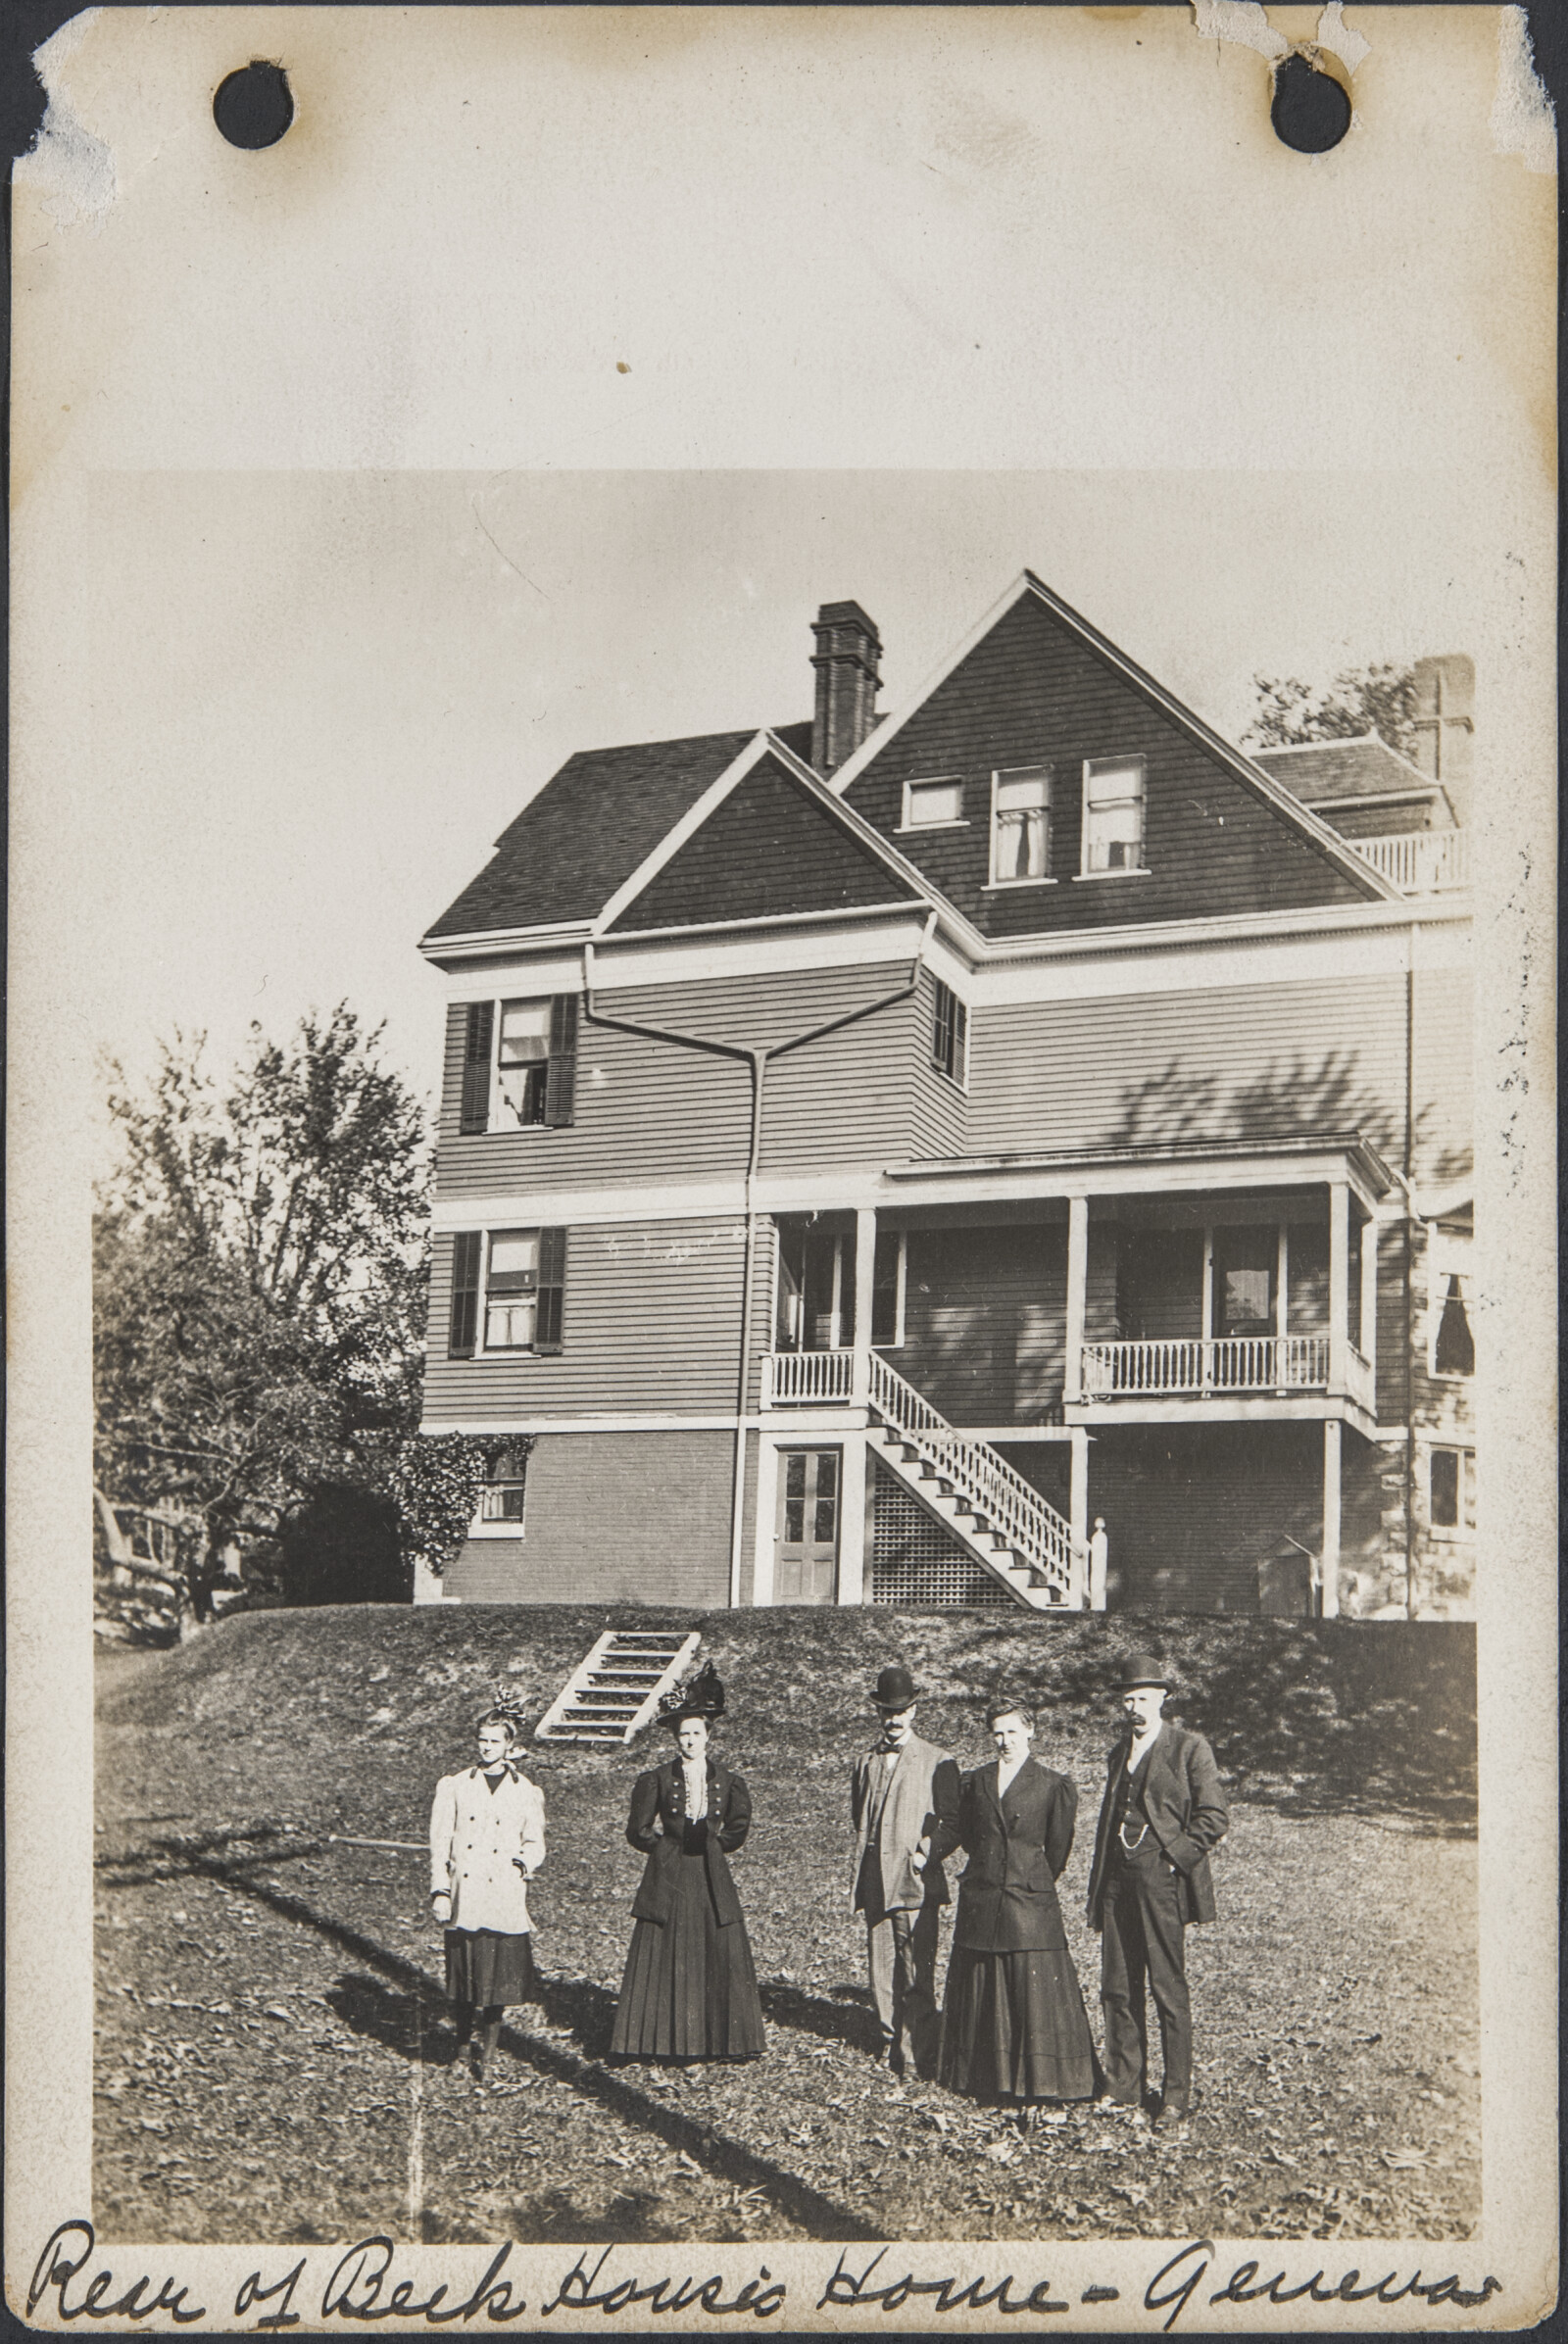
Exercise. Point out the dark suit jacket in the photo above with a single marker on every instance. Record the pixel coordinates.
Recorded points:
(659, 1797)
(1186, 1815)
(1017, 1847)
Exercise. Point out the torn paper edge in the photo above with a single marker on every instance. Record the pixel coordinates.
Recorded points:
(1524, 121)
(1246, 21)
(72, 172)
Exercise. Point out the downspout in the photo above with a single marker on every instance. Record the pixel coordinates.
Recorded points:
(758, 1059)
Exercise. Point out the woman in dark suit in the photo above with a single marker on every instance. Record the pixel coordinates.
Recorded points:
(689, 1986)
(1013, 2027)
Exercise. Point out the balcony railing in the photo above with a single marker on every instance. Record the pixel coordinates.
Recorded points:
(1227, 1363)
(808, 1378)
(1418, 862)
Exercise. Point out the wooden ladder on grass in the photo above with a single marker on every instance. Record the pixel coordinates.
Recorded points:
(613, 1694)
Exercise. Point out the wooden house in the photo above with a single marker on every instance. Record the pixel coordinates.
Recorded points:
(1014, 1152)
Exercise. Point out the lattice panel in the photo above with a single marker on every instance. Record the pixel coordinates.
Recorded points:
(916, 1562)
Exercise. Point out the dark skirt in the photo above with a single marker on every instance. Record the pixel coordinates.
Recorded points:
(489, 1967)
(689, 1986)
(1015, 2029)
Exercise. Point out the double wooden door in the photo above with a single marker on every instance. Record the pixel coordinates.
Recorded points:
(805, 1540)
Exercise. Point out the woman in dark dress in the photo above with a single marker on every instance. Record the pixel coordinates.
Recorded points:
(689, 1986)
(1013, 2028)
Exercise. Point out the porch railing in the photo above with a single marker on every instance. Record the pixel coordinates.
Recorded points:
(796, 1377)
(1418, 862)
(1226, 1363)
(984, 1480)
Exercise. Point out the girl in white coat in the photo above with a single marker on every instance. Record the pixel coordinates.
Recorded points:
(487, 1838)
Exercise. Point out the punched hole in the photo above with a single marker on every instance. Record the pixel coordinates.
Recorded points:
(1310, 111)
(254, 106)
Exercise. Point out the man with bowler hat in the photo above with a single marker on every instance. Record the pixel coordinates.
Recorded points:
(1163, 1811)
(903, 1799)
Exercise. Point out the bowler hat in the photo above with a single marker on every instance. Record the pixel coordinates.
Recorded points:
(1140, 1668)
(895, 1688)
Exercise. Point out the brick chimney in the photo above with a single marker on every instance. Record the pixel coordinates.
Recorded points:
(1445, 696)
(848, 650)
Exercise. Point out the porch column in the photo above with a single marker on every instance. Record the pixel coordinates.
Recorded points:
(1369, 1297)
(1332, 1441)
(1078, 1515)
(864, 1280)
(1338, 1281)
(1077, 1282)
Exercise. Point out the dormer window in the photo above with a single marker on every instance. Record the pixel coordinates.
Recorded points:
(1113, 816)
(1021, 825)
(933, 804)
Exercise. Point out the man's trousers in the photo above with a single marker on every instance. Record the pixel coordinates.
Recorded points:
(901, 1955)
(1143, 1945)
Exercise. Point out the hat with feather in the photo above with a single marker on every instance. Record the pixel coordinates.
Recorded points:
(702, 1695)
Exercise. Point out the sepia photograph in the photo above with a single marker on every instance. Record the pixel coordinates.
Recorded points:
(810, 1350)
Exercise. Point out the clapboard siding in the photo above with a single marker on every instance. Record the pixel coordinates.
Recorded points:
(939, 1110)
(770, 848)
(1443, 1071)
(649, 1111)
(650, 1320)
(1033, 691)
(623, 1518)
(1156, 1067)
(985, 1313)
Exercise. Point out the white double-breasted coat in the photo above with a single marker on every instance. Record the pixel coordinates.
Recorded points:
(475, 1834)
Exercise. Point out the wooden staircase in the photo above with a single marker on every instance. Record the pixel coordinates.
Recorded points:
(970, 1487)
(613, 1694)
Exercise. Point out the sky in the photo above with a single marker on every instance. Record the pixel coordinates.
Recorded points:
(317, 698)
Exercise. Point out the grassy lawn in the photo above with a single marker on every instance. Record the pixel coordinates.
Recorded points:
(272, 2037)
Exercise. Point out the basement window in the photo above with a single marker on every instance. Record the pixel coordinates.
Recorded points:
(1451, 1491)
(505, 1482)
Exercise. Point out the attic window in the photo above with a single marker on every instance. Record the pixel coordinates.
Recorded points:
(933, 804)
(1113, 816)
(1021, 825)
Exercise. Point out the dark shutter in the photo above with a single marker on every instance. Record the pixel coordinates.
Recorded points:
(561, 1082)
(464, 1326)
(476, 1116)
(552, 1289)
(942, 1029)
(960, 1043)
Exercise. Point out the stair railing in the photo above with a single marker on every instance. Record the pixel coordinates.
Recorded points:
(1011, 1506)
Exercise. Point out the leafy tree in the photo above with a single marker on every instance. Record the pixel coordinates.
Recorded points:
(261, 1273)
(1380, 699)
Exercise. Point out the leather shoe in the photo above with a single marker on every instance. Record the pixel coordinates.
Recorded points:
(1171, 2119)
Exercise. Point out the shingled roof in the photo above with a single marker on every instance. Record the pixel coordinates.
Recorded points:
(1319, 772)
(588, 829)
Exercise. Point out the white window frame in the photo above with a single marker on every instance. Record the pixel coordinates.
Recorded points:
(1447, 1257)
(489, 1526)
(1460, 1533)
(1137, 870)
(933, 781)
(485, 1348)
(1004, 773)
(507, 1124)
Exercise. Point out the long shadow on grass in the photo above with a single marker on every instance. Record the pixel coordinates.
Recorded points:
(405, 2028)
(840, 2022)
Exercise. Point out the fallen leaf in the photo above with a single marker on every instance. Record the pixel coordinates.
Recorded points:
(1400, 2161)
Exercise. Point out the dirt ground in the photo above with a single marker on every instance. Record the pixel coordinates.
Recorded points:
(272, 2045)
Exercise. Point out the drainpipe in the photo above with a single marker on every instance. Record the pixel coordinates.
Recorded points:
(758, 1058)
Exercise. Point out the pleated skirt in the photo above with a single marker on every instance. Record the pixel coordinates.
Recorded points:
(489, 1967)
(1015, 2027)
(690, 1987)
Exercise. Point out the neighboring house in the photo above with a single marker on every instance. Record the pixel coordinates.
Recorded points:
(874, 1151)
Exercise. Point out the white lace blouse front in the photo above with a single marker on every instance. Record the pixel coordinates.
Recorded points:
(696, 1787)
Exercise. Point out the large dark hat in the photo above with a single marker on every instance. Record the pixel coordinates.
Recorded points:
(1140, 1668)
(895, 1688)
(703, 1696)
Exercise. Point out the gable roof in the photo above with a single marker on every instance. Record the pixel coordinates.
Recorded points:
(1250, 774)
(587, 831)
(1354, 769)
(776, 844)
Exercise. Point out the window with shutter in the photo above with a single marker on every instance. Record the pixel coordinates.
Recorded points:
(522, 1064)
(950, 1035)
(561, 1085)
(511, 1290)
(476, 1111)
(463, 1326)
